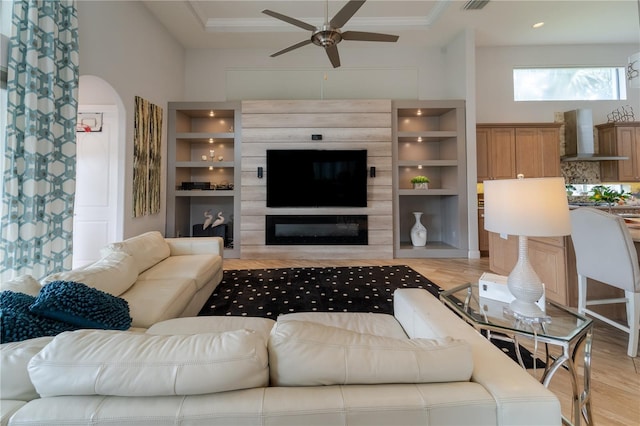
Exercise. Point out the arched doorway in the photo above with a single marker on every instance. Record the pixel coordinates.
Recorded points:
(99, 202)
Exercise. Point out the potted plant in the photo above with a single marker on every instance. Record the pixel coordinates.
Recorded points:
(420, 182)
(603, 194)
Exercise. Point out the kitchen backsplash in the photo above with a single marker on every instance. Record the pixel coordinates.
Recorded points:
(581, 172)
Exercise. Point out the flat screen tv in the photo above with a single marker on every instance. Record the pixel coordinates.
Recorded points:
(316, 178)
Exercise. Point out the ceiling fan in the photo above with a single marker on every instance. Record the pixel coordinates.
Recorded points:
(329, 35)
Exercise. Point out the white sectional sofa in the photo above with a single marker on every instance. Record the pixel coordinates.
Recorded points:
(160, 278)
(420, 366)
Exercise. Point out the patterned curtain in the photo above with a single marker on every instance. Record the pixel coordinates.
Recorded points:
(39, 176)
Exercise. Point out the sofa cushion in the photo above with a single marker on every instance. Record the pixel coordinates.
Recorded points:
(23, 284)
(14, 377)
(8, 409)
(151, 301)
(147, 249)
(82, 306)
(215, 324)
(18, 323)
(97, 362)
(199, 267)
(384, 325)
(113, 274)
(309, 354)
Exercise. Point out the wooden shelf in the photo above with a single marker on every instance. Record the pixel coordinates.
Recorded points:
(205, 164)
(205, 193)
(427, 192)
(428, 163)
(204, 135)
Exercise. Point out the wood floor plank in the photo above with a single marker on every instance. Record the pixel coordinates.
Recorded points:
(615, 377)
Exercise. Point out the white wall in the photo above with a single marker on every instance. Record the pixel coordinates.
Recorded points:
(494, 68)
(207, 70)
(122, 43)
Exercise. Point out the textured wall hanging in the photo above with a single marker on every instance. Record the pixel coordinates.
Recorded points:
(146, 158)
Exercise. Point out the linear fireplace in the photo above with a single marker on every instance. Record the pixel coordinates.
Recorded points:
(317, 230)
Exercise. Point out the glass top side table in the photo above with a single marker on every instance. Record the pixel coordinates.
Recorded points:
(560, 327)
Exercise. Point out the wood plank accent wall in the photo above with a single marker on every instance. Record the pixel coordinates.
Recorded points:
(343, 124)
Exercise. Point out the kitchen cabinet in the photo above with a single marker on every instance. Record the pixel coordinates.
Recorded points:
(621, 139)
(506, 150)
(538, 151)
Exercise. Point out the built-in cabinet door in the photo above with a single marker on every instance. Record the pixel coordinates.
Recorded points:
(550, 147)
(627, 146)
(482, 154)
(528, 153)
(620, 139)
(502, 150)
(607, 146)
(495, 153)
(537, 152)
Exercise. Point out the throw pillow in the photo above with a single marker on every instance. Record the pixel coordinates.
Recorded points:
(115, 273)
(81, 305)
(23, 284)
(17, 323)
(147, 249)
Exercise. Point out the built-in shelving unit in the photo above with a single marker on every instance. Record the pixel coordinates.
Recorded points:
(203, 168)
(429, 140)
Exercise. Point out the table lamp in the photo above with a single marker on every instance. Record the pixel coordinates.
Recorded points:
(535, 207)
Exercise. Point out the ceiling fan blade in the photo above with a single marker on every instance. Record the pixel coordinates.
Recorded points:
(290, 48)
(365, 36)
(289, 20)
(346, 13)
(334, 57)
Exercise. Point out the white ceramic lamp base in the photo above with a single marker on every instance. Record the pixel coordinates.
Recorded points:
(524, 284)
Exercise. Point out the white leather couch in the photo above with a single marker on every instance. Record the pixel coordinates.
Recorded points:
(160, 278)
(420, 366)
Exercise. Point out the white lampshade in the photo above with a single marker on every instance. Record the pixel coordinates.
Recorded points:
(534, 207)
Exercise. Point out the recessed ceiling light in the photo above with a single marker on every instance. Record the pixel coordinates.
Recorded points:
(538, 25)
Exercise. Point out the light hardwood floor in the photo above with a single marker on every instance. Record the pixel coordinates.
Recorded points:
(615, 377)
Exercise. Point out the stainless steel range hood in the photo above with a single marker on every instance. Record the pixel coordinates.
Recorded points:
(578, 134)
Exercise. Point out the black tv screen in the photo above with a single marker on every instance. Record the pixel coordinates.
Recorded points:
(316, 178)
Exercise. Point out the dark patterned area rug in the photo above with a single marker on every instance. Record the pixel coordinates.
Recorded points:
(268, 293)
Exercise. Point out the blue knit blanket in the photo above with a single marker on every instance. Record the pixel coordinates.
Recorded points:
(18, 323)
(83, 306)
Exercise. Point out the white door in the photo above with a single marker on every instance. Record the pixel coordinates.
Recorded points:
(94, 224)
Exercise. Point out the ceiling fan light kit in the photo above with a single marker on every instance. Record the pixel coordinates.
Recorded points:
(329, 35)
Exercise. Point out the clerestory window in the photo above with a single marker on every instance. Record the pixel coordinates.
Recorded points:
(569, 84)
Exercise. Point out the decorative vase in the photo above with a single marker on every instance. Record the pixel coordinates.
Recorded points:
(421, 185)
(418, 232)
